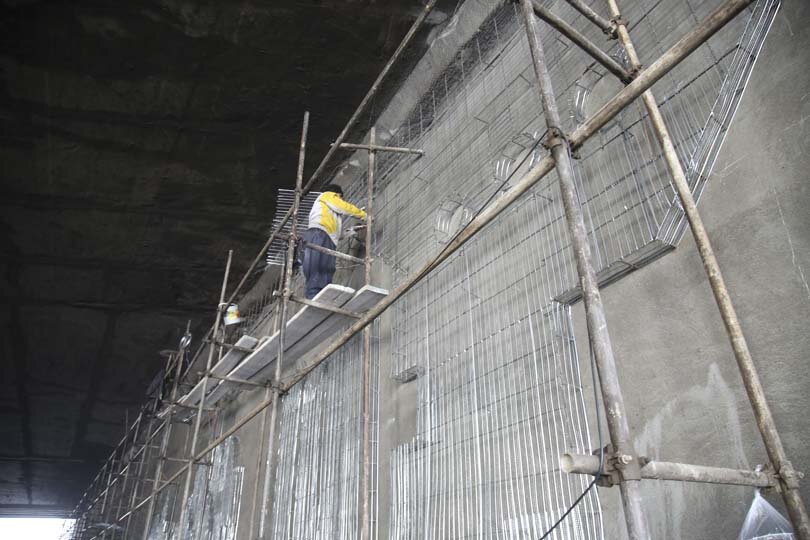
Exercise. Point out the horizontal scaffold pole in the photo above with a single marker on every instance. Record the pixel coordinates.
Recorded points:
(377, 148)
(683, 472)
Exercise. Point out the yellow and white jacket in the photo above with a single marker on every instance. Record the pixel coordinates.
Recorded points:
(326, 212)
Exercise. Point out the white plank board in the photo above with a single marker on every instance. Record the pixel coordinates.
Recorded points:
(319, 337)
(298, 326)
(226, 364)
(366, 298)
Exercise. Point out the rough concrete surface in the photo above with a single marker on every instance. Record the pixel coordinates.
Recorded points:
(684, 396)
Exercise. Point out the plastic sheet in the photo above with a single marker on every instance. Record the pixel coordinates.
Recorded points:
(764, 522)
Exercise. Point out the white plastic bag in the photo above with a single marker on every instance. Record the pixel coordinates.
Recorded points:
(764, 522)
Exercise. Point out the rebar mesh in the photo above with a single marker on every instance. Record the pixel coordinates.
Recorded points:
(488, 334)
(277, 252)
(317, 491)
(214, 503)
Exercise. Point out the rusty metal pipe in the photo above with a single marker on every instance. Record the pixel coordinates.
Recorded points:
(365, 504)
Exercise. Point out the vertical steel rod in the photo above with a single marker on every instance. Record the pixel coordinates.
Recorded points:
(753, 385)
(630, 477)
(204, 391)
(286, 292)
(365, 523)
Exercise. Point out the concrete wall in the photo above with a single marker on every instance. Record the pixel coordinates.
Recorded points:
(684, 396)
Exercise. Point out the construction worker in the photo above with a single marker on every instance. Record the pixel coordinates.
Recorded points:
(324, 230)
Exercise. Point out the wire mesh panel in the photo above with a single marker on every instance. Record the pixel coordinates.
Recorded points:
(162, 524)
(214, 503)
(488, 334)
(481, 118)
(317, 492)
(277, 252)
(499, 391)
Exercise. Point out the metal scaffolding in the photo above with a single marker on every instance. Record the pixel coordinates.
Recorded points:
(316, 471)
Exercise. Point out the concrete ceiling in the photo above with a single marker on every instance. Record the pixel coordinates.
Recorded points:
(140, 141)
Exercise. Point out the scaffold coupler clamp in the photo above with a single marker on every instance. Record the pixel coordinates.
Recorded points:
(618, 467)
(789, 476)
(615, 22)
(632, 71)
(554, 137)
(277, 388)
(629, 466)
(768, 470)
(608, 476)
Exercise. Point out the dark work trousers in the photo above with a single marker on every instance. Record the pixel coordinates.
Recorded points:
(319, 268)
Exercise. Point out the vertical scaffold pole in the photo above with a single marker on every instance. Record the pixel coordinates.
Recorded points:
(109, 475)
(147, 445)
(167, 433)
(129, 465)
(204, 390)
(263, 456)
(365, 509)
(618, 427)
(286, 292)
(788, 477)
